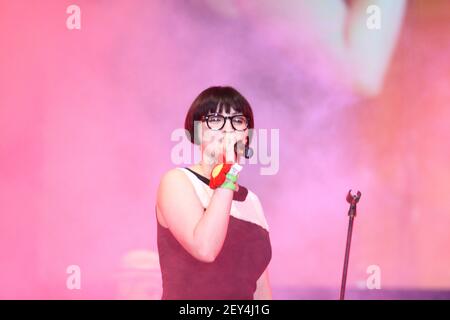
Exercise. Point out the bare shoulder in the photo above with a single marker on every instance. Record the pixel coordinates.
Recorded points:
(171, 185)
(172, 175)
(174, 182)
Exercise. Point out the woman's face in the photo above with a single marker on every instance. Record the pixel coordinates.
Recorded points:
(218, 138)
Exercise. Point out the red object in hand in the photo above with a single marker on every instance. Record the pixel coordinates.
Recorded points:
(218, 175)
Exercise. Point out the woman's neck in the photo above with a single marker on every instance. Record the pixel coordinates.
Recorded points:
(203, 168)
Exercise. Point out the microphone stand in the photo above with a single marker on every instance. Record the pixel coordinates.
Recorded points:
(353, 200)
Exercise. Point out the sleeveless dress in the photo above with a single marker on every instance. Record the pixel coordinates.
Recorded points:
(245, 254)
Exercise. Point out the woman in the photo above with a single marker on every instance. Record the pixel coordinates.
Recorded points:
(213, 240)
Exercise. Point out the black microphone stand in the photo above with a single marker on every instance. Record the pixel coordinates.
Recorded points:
(353, 200)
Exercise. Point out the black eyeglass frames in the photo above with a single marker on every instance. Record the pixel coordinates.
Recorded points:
(216, 121)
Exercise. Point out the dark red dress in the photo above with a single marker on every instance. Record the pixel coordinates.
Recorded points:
(245, 254)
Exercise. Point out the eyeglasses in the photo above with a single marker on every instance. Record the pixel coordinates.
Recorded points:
(217, 121)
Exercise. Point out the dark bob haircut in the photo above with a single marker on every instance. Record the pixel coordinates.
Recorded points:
(209, 100)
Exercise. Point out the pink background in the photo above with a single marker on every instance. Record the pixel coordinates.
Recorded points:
(86, 117)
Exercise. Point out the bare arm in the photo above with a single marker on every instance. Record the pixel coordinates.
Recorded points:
(201, 233)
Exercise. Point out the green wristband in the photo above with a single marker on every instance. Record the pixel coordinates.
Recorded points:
(231, 177)
(228, 185)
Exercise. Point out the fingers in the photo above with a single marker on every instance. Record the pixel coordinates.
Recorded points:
(224, 148)
(228, 145)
